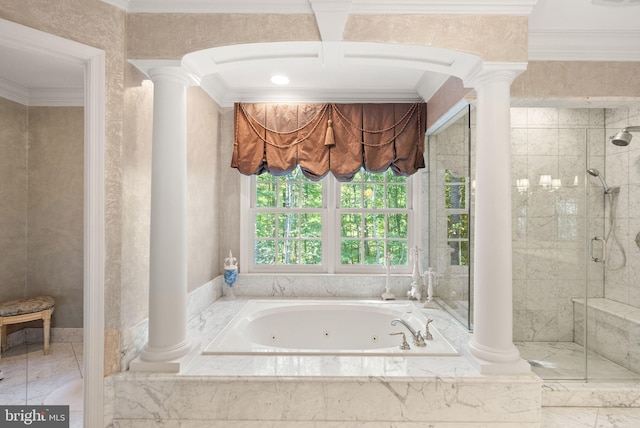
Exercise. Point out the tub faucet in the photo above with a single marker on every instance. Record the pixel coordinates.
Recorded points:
(418, 340)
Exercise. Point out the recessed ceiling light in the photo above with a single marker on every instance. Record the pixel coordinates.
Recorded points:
(279, 79)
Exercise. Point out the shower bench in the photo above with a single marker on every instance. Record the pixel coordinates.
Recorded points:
(613, 330)
(24, 310)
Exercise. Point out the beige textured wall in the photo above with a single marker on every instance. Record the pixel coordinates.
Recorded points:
(203, 177)
(449, 94)
(136, 197)
(13, 197)
(229, 220)
(491, 37)
(171, 36)
(577, 79)
(55, 210)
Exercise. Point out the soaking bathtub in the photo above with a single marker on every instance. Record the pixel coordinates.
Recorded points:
(326, 327)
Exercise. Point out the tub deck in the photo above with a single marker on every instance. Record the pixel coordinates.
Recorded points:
(318, 391)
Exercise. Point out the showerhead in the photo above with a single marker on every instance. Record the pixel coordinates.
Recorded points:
(595, 173)
(623, 138)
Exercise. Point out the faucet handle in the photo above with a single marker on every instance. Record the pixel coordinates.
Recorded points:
(427, 333)
(405, 345)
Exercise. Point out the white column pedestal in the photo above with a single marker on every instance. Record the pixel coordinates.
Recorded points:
(491, 346)
(168, 342)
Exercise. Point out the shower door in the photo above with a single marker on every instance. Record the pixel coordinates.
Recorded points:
(560, 225)
(551, 229)
(450, 215)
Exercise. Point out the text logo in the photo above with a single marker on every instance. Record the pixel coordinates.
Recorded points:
(34, 416)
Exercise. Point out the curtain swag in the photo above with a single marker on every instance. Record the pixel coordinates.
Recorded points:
(341, 138)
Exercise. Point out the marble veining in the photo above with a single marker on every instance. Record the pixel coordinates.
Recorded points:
(307, 389)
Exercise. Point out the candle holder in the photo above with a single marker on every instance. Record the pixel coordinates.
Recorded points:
(388, 295)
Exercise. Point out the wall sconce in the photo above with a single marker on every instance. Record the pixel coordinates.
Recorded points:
(556, 183)
(545, 181)
(522, 184)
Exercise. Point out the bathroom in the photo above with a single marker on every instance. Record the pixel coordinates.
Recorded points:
(128, 163)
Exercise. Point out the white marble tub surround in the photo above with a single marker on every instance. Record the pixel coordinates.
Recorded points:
(324, 391)
(330, 327)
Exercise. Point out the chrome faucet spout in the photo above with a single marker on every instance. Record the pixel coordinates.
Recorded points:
(418, 339)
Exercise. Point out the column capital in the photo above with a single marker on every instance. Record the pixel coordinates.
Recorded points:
(494, 72)
(178, 74)
(155, 68)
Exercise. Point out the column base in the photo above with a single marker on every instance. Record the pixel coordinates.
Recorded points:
(496, 362)
(150, 361)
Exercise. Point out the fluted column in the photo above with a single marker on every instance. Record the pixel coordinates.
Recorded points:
(168, 339)
(491, 344)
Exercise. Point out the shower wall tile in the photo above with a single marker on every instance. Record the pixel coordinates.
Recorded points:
(542, 325)
(542, 231)
(541, 165)
(571, 141)
(634, 164)
(519, 145)
(596, 117)
(617, 171)
(519, 165)
(542, 141)
(542, 117)
(519, 266)
(542, 295)
(612, 115)
(518, 117)
(596, 145)
(549, 224)
(573, 117)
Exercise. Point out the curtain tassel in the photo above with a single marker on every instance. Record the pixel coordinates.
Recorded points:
(329, 139)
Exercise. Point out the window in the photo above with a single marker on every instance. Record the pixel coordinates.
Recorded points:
(289, 214)
(298, 225)
(455, 204)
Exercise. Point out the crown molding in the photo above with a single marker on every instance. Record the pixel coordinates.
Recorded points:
(441, 7)
(418, 7)
(41, 97)
(120, 4)
(13, 92)
(56, 97)
(580, 45)
(208, 6)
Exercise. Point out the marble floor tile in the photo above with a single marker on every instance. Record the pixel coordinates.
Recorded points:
(30, 376)
(565, 360)
(591, 417)
(568, 417)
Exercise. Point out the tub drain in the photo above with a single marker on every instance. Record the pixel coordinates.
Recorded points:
(326, 334)
(374, 339)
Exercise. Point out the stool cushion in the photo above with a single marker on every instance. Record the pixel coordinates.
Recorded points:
(26, 306)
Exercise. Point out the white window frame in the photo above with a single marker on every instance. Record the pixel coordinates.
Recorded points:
(330, 232)
(459, 211)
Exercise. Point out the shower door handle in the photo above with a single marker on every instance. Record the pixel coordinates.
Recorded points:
(604, 249)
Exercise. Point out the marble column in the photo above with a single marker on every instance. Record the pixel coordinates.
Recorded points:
(168, 339)
(491, 345)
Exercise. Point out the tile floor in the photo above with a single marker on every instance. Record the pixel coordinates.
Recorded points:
(566, 361)
(33, 378)
(30, 377)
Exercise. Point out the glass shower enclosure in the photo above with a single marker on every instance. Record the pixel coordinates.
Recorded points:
(560, 214)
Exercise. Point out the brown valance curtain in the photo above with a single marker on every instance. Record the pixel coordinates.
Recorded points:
(341, 138)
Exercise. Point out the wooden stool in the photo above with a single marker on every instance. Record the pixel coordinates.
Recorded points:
(23, 310)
